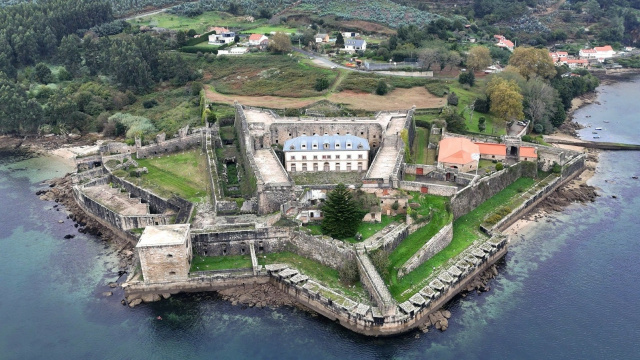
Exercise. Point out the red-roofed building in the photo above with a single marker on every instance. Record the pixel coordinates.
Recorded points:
(577, 63)
(504, 42)
(559, 57)
(256, 39)
(528, 153)
(218, 30)
(458, 153)
(599, 52)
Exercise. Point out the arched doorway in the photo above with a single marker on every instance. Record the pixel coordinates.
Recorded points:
(326, 167)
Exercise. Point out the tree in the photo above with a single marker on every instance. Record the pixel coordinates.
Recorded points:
(467, 78)
(429, 57)
(382, 88)
(479, 58)
(342, 216)
(69, 53)
(191, 33)
(531, 61)
(280, 43)
(348, 272)
(540, 100)
(339, 40)
(506, 100)
(181, 38)
(43, 73)
(455, 122)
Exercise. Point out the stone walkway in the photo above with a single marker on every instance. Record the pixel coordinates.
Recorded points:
(385, 160)
(270, 168)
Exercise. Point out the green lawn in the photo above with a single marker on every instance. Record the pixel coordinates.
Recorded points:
(367, 83)
(199, 23)
(366, 229)
(465, 231)
(420, 145)
(204, 263)
(315, 270)
(183, 174)
(310, 178)
(268, 29)
(430, 204)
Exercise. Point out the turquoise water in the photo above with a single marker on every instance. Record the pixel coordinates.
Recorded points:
(568, 288)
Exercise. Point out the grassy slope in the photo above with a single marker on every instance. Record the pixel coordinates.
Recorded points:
(465, 231)
(420, 145)
(263, 74)
(183, 174)
(430, 204)
(321, 273)
(174, 110)
(466, 97)
(366, 229)
(199, 23)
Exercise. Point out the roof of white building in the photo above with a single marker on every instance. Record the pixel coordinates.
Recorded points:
(306, 143)
(354, 42)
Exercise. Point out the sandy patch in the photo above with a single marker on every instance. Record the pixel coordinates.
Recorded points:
(398, 99)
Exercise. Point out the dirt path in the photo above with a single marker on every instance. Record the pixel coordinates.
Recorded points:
(398, 99)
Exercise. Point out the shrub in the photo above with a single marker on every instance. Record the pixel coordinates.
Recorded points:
(321, 84)
(148, 104)
(467, 78)
(557, 169)
(499, 166)
(438, 89)
(538, 128)
(348, 272)
(452, 99)
(382, 88)
(395, 205)
(380, 260)
(481, 105)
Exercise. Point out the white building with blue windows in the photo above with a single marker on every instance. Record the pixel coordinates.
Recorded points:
(326, 153)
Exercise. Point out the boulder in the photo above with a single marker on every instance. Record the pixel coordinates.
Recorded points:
(165, 295)
(150, 298)
(135, 302)
(107, 293)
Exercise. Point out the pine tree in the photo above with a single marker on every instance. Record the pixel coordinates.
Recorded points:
(342, 216)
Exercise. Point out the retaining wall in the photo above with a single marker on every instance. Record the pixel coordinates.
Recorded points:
(433, 189)
(170, 146)
(438, 242)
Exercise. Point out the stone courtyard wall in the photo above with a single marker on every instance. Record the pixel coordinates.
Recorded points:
(438, 242)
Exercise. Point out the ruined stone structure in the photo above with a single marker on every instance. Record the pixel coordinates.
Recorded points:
(165, 253)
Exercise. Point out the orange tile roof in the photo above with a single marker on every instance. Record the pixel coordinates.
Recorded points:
(492, 149)
(254, 37)
(218, 30)
(603, 48)
(457, 150)
(528, 152)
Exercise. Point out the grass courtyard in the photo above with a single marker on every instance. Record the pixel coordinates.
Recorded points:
(204, 263)
(366, 229)
(465, 231)
(182, 174)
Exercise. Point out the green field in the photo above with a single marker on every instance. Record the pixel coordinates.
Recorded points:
(318, 272)
(183, 174)
(200, 23)
(465, 231)
(264, 74)
(367, 83)
(204, 263)
(269, 29)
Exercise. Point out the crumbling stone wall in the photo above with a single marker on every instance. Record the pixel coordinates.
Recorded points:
(170, 146)
(429, 188)
(280, 132)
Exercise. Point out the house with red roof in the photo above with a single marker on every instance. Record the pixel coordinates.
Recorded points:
(600, 53)
(559, 57)
(458, 153)
(256, 39)
(504, 42)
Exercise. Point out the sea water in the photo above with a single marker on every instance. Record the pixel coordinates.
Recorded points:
(568, 288)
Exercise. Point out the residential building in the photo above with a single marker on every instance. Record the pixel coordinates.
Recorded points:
(559, 57)
(577, 63)
(355, 45)
(218, 30)
(222, 38)
(233, 51)
(257, 39)
(458, 153)
(600, 53)
(348, 34)
(322, 38)
(504, 42)
(498, 152)
(326, 153)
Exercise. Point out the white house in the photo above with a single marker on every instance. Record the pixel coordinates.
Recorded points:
(222, 38)
(577, 63)
(322, 38)
(599, 52)
(256, 39)
(355, 44)
(559, 57)
(326, 153)
(348, 34)
(504, 42)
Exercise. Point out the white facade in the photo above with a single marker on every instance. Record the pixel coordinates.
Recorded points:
(223, 38)
(326, 153)
(599, 53)
(355, 45)
(256, 39)
(233, 51)
(348, 34)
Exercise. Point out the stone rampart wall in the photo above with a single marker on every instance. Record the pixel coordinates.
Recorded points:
(470, 197)
(374, 284)
(282, 131)
(438, 242)
(157, 205)
(170, 146)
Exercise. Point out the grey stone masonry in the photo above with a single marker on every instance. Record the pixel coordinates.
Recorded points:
(275, 267)
(254, 259)
(374, 284)
(417, 300)
(428, 293)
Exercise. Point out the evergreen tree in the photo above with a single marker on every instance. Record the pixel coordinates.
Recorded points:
(43, 73)
(69, 53)
(340, 40)
(342, 216)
